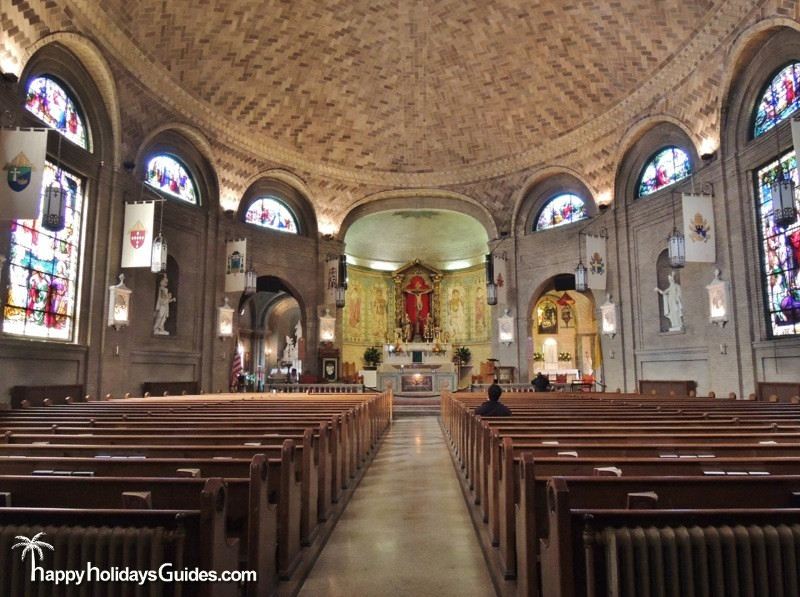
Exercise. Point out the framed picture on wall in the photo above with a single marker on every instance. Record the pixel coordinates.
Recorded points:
(330, 369)
(547, 317)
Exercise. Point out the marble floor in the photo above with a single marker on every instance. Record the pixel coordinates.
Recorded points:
(406, 530)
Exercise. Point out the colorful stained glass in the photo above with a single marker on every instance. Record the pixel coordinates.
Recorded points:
(168, 175)
(271, 213)
(780, 100)
(561, 209)
(668, 166)
(51, 103)
(781, 252)
(44, 267)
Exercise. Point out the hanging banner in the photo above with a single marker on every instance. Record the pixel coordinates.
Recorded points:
(22, 155)
(501, 277)
(699, 229)
(597, 258)
(235, 265)
(137, 234)
(331, 279)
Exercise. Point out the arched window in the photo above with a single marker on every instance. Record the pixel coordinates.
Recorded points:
(271, 213)
(168, 175)
(52, 104)
(666, 167)
(780, 252)
(44, 267)
(561, 209)
(780, 99)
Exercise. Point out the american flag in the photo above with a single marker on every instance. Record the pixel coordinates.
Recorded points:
(236, 370)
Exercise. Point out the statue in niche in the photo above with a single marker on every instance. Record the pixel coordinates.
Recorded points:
(672, 302)
(290, 352)
(408, 332)
(161, 312)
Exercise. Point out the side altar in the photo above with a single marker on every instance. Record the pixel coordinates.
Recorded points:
(418, 368)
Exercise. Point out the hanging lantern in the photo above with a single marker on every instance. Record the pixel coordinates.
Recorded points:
(250, 281)
(491, 287)
(580, 277)
(327, 327)
(158, 258)
(341, 282)
(783, 208)
(225, 320)
(119, 304)
(54, 208)
(676, 248)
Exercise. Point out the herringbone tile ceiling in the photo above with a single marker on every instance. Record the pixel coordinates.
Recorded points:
(408, 85)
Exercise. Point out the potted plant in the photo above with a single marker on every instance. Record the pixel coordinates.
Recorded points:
(463, 355)
(564, 356)
(372, 357)
(538, 356)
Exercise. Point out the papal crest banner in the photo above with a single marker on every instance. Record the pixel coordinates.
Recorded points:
(137, 234)
(235, 265)
(331, 279)
(699, 229)
(501, 277)
(597, 262)
(22, 155)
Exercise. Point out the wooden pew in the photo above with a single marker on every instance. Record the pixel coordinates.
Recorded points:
(189, 537)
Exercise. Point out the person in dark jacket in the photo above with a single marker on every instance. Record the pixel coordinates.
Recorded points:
(541, 383)
(492, 407)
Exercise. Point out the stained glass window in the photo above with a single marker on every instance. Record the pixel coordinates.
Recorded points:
(168, 175)
(561, 209)
(780, 100)
(43, 269)
(668, 166)
(51, 103)
(780, 254)
(271, 213)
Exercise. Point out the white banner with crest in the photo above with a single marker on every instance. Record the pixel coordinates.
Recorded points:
(137, 234)
(597, 262)
(22, 156)
(699, 229)
(235, 265)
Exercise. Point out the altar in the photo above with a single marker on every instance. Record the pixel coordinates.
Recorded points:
(418, 369)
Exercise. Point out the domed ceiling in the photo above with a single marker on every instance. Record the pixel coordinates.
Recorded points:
(389, 239)
(411, 86)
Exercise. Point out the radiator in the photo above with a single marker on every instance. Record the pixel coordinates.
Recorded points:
(104, 547)
(723, 561)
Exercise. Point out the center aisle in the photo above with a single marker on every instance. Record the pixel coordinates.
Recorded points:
(406, 530)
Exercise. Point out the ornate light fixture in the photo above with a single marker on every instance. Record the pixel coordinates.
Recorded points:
(581, 280)
(782, 191)
(719, 292)
(491, 287)
(327, 327)
(341, 282)
(609, 317)
(54, 206)
(225, 320)
(158, 257)
(250, 280)
(119, 304)
(505, 327)
(676, 243)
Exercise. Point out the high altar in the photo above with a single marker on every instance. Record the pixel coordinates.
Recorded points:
(419, 360)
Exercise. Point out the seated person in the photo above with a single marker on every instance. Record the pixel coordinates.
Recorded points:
(492, 407)
(541, 383)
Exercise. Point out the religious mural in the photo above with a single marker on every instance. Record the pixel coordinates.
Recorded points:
(464, 310)
(367, 304)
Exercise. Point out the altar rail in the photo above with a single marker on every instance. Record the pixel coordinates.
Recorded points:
(507, 387)
(316, 388)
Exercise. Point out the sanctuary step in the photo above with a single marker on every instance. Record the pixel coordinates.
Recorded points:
(416, 406)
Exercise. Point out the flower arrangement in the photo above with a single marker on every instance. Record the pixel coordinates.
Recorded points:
(437, 349)
(538, 356)
(564, 356)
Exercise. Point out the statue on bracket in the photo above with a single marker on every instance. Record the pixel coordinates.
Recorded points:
(672, 302)
(161, 312)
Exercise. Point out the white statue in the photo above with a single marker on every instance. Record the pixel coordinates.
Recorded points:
(672, 300)
(290, 352)
(161, 312)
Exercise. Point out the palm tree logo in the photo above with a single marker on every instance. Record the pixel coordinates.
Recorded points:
(33, 546)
